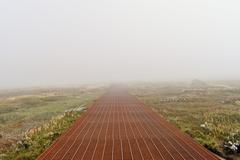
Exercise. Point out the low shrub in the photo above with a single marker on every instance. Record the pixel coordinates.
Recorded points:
(38, 139)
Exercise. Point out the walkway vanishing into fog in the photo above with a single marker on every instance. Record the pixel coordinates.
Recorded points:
(118, 126)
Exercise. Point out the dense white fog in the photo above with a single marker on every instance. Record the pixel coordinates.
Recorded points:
(59, 42)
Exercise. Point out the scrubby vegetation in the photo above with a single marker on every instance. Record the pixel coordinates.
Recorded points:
(38, 139)
(210, 115)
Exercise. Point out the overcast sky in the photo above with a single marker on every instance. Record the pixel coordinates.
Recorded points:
(59, 42)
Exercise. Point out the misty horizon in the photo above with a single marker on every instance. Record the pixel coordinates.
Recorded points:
(63, 43)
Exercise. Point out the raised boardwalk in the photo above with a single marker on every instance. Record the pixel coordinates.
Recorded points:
(119, 127)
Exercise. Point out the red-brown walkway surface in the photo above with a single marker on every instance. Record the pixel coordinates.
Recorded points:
(118, 126)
